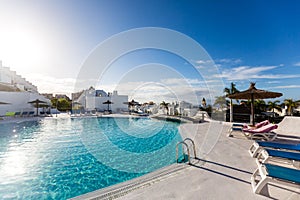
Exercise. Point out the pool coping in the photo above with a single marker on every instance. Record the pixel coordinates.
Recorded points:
(124, 188)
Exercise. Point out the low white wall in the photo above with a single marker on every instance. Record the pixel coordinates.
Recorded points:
(18, 101)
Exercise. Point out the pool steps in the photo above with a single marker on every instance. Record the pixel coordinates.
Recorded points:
(184, 143)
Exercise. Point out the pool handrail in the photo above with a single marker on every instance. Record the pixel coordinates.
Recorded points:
(188, 151)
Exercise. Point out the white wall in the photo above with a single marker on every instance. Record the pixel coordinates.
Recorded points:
(4, 76)
(18, 101)
(89, 101)
(118, 103)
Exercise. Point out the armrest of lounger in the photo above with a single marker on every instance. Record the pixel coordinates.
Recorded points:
(234, 128)
(259, 179)
(268, 173)
(254, 149)
(268, 136)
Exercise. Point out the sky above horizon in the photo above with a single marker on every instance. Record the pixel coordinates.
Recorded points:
(48, 42)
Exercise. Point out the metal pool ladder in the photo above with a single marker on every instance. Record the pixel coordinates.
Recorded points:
(187, 148)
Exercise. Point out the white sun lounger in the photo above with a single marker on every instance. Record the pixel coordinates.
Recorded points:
(264, 132)
(258, 146)
(279, 156)
(268, 173)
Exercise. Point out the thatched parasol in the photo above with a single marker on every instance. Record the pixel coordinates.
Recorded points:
(108, 102)
(37, 102)
(131, 104)
(253, 93)
(3, 103)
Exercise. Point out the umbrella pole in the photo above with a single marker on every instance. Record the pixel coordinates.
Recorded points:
(252, 110)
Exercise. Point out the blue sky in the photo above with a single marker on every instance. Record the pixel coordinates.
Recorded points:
(48, 41)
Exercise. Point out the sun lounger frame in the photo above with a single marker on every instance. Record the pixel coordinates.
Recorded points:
(257, 147)
(261, 172)
(240, 126)
(287, 157)
(267, 136)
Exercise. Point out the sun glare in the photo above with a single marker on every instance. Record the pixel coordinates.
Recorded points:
(22, 48)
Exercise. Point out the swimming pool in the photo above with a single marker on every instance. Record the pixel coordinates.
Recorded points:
(60, 158)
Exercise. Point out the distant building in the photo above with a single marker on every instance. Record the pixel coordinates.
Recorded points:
(92, 99)
(16, 92)
(150, 108)
(14, 81)
(182, 108)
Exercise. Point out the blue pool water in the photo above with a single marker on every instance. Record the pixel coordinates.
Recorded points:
(60, 158)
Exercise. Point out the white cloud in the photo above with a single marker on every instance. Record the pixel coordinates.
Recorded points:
(201, 62)
(204, 64)
(297, 64)
(181, 81)
(287, 86)
(49, 84)
(248, 72)
(273, 82)
(170, 90)
(228, 61)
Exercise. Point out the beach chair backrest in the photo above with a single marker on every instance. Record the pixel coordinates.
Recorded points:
(261, 124)
(25, 113)
(277, 145)
(17, 113)
(284, 154)
(264, 129)
(283, 173)
(267, 128)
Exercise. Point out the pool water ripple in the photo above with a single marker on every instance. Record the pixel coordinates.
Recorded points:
(58, 158)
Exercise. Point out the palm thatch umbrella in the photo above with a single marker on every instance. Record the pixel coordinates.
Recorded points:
(37, 102)
(108, 102)
(131, 104)
(3, 103)
(253, 93)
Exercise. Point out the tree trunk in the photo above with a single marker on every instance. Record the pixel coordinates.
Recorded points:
(231, 111)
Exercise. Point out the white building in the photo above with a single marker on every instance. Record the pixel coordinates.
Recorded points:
(16, 92)
(10, 79)
(182, 108)
(92, 99)
(18, 101)
(150, 108)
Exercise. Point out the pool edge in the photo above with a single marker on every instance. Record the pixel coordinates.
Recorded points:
(124, 188)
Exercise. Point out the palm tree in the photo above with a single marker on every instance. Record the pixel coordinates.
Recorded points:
(230, 91)
(221, 102)
(274, 105)
(291, 105)
(203, 103)
(165, 106)
(260, 105)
